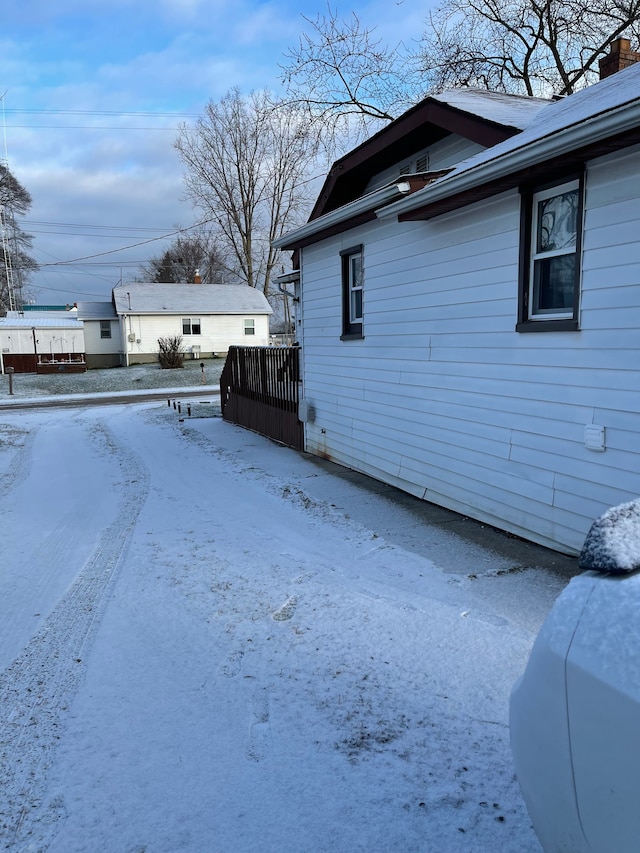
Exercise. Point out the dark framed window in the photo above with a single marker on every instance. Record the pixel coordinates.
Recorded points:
(550, 252)
(105, 328)
(190, 325)
(352, 293)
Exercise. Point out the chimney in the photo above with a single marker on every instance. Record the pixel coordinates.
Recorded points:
(196, 278)
(620, 56)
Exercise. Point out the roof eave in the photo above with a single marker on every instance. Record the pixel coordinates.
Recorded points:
(348, 216)
(619, 126)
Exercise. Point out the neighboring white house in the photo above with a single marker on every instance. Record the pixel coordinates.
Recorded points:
(470, 307)
(209, 317)
(103, 342)
(42, 344)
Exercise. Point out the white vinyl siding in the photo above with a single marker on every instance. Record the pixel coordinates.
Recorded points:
(443, 397)
(441, 155)
(217, 333)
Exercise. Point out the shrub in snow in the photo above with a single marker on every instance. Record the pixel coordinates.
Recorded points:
(171, 352)
(613, 543)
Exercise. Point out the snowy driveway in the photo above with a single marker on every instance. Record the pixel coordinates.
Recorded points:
(202, 652)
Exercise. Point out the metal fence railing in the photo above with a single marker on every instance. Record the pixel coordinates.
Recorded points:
(259, 390)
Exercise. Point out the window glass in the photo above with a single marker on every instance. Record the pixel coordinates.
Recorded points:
(554, 262)
(105, 328)
(186, 326)
(355, 287)
(352, 268)
(553, 284)
(195, 326)
(249, 327)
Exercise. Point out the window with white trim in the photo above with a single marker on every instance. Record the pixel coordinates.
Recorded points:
(352, 292)
(191, 326)
(249, 327)
(551, 237)
(105, 328)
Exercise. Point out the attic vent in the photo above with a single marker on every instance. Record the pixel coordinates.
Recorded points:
(422, 163)
(406, 169)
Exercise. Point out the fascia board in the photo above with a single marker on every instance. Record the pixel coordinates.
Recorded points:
(341, 214)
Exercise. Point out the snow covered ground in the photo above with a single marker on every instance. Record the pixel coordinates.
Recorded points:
(212, 644)
(113, 380)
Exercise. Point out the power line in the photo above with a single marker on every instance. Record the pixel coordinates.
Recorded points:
(81, 225)
(145, 113)
(124, 248)
(85, 127)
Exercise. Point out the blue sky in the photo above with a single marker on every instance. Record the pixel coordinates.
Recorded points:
(93, 94)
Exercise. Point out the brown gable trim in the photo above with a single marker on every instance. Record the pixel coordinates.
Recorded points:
(426, 123)
(549, 171)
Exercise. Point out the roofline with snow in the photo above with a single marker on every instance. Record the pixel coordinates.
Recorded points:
(616, 128)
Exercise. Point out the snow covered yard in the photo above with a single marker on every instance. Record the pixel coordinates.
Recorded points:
(208, 644)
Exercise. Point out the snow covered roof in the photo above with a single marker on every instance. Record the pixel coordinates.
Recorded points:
(152, 298)
(508, 110)
(598, 112)
(37, 322)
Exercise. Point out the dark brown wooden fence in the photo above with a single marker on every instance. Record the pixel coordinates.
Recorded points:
(259, 388)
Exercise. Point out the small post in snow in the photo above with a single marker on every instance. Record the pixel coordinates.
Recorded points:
(202, 370)
(10, 371)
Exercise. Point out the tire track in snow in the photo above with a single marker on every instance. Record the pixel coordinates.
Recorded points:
(20, 464)
(38, 687)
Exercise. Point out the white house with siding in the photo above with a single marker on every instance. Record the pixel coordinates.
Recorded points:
(209, 317)
(469, 308)
(104, 346)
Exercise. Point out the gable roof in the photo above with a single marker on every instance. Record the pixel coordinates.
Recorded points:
(201, 299)
(486, 118)
(600, 119)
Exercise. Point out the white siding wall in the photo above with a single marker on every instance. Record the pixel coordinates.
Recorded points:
(445, 400)
(441, 155)
(19, 341)
(218, 333)
(99, 345)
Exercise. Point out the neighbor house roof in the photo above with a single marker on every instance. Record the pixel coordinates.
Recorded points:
(152, 298)
(36, 322)
(95, 310)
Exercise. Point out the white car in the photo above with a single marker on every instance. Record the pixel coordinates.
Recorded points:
(575, 713)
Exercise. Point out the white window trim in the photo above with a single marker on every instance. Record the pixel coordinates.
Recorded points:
(534, 255)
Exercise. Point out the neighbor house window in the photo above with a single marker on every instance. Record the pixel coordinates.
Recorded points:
(551, 236)
(105, 328)
(249, 327)
(190, 325)
(352, 293)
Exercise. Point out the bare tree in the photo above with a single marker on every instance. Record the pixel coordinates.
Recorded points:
(15, 262)
(247, 162)
(186, 254)
(340, 68)
(535, 47)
